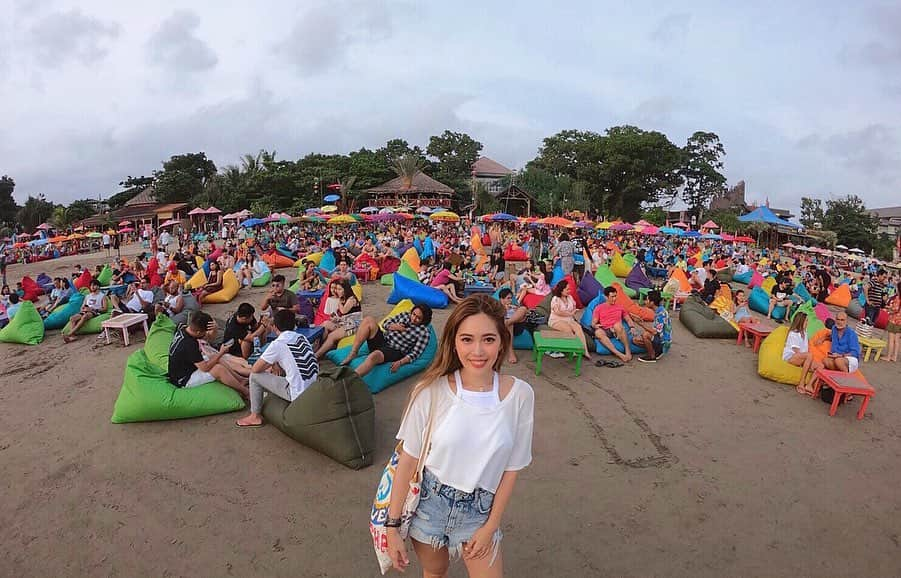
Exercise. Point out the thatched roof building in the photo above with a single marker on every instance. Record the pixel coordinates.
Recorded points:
(422, 191)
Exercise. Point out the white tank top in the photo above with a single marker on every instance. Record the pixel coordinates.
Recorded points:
(486, 399)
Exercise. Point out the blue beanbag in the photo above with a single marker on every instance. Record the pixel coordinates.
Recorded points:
(428, 249)
(744, 277)
(327, 263)
(60, 315)
(802, 292)
(380, 377)
(44, 282)
(523, 340)
(285, 251)
(585, 320)
(557, 275)
(759, 301)
(633, 348)
(417, 293)
(589, 288)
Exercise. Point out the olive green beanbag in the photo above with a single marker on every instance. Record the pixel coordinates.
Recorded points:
(26, 328)
(147, 395)
(704, 322)
(725, 275)
(334, 416)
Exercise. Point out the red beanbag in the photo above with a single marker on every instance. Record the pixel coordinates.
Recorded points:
(515, 253)
(31, 288)
(84, 280)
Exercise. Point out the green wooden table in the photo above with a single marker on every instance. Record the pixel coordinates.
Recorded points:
(547, 340)
(643, 294)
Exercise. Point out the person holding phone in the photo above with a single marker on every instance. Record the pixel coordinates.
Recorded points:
(187, 365)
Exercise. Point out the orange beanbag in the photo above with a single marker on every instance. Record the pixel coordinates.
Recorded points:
(680, 275)
(631, 307)
(840, 297)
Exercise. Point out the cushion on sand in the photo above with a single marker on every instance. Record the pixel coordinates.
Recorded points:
(83, 280)
(637, 279)
(756, 280)
(263, 276)
(314, 258)
(585, 321)
(723, 299)
(411, 257)
(770, 365)
(759, 301)
(704, 322)
(147, 395)
(26, 328)
(276, 260)
(156, 347)
(61, 314)
(556, 274)
(802, 292)
(230, 288)
(618, 266)
(334, 416)
(840, 296)
(629, 258)
(105, 276)
(725, 275)
(631, 307)
(589, 287)
(32, 290)
(515, 253)
(743, 278)
(406, 270)
(813, 323)
(417, 292)
(198, 279)
(854, 309)
(381, 376)
(768, 285)
(523, 340)
(387, 279)
(679, 275)
(606, 278)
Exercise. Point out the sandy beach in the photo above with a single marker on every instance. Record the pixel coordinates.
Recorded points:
(693, 466)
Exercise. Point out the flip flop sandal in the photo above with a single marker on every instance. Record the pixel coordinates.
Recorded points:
(251, 425)
(614, 364)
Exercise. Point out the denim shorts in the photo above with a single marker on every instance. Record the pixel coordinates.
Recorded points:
(447, 517)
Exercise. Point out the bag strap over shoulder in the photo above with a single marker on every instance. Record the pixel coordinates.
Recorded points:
(427, 438)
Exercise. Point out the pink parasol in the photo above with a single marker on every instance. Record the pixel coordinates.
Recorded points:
(124, 223)
(649, 230)
(127, 230)
(643, 223)
(710, 225)
(212, 211)
(681, 225)
(192, 212)
(43, 226)
(169, 223)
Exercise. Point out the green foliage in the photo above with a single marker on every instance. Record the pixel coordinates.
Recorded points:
(456, 152)
(8, 207)
(656, 216)
(550, 191)
(854, 226)
(812, 215)
(703, 154)
(487, 203)
(35, 211)
(407, 167)
(727, 220)
(80, 209)
(370, 168)
(883, 247)
(618, 171)
(183, 177)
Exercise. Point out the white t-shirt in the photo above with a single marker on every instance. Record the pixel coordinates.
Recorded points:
(793, 340)
(472, 446)
(702, 274)
(106, 239)
(134, 304)
(94, 301)
(294, 354)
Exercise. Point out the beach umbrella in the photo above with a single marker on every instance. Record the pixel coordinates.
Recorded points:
(426, 210)
(58, 239)
(43, 227)
(75, 237)
(243, 213)
(312, 219)
(169, 223)
(331, 198)
(334, 186)
(36, 234)
(78, 228)
(110, 232)
(583, 224)
(650, 230)
(691, 234)
(94, 235)
(212, 211)
(252, 222)
(192, 212)
(502, 217)
(369, 210)
(556, 222)
(712, 236)
(604, 225)
(312, 211)
(622, 227)
(856, 250)
(681, 225)
(386, 210)
(788, 245)
(448, 216)
(842, 247)
(126, 230)
(405, 216)
(671, 231)
(744, 239)
(728, 237)
(341, 220)
(124, 223)
(329, 209)
(22, 236)
(38, 242)
(642, 223)
(710, 225)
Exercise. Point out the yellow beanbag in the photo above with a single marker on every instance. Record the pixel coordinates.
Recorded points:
(402, 307)
(198, 279)
(230, 287)
(769, 361)
(619, 266)
(315, 258)
(768, 285)
(412, 258)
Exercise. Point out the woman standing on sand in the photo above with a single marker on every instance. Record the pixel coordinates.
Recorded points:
(481, 438)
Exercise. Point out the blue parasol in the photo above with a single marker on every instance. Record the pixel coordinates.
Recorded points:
(331, 198)
(252, 222)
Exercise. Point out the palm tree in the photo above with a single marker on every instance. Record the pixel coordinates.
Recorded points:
(60, 217)
(407, 167)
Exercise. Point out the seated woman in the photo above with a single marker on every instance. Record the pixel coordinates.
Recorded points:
(796, 352)
(344, 321)
(563, 314)
(740, 311)
(444, 281)
(533, 284)
(213, 283)
(311, 281)
(497, 267)
(514, 314)
(173, 303)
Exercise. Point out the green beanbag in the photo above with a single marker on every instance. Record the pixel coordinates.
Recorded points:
(605, 276)
(92, 325)
(334, 416)
(61, 314)
(156, 347)
(26, 327)
(105, 276)
(147, 395)
(704, 322)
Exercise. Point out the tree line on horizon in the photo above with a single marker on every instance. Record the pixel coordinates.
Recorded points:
(626, 172)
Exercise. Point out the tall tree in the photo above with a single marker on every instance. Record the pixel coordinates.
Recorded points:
(8, 207)
(35, 211)
(455, 152)
(703, 162)
(812, 214)
(183, 177)
(853, 225)
(370, 168)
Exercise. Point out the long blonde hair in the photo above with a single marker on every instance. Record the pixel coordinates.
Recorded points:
(446, 360)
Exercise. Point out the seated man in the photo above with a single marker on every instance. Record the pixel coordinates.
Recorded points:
(711, 286)
(608, 322)
(698, 277)
(242, 327)
(187, 365)
(94, 305)
(515, 315)
(294, 355)
(138, 299)
(660, 331)
(405, 337)
(844, 354)
(278, 298)
(58, 295)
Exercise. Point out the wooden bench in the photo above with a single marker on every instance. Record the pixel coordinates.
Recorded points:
(547, 340)
(124, 322)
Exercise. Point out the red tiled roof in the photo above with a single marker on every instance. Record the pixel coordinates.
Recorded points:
(485, 167)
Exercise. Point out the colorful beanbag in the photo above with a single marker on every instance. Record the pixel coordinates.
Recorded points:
(59, 317)
(744, 278)
(629, 258)
(599, 347)
(759, 301)
(619, 267)
(523, 340)
(802, 292)
(679, 275)
(83, 280)
(44, 282)
(631, 307)
(26, 328)
(768, 285)
(412, 258)
(198, 279)
(405, 270)
(276, 260)
(515, 253)
(840, 296)
(636, 279)
(770, 365)
(589, 288)
(230, 288)
(92, 326)
(704, 322)
(314, 258)
(262, 275)
(756, 280)
(725, 275)
(389, 265)
(606, 278)
(32, 290)
(387, 279)
(105, 275)
(417, 292)
(854, 309)
(814, 325)
(334, 416)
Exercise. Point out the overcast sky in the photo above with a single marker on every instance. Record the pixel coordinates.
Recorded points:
(805, 95)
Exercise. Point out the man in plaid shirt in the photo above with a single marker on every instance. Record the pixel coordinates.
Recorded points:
(404, 338)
